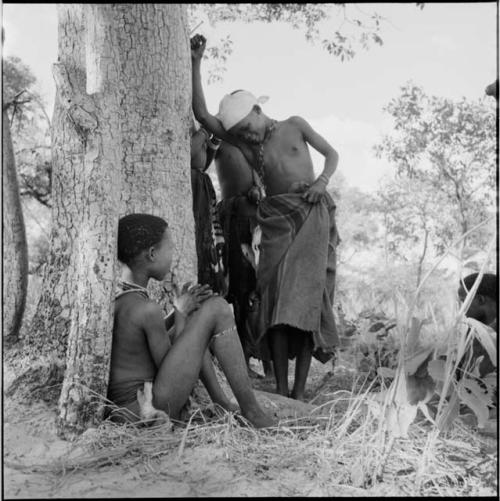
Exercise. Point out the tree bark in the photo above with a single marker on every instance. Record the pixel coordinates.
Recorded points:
(121, 145)
(15, 250)
(95, 113)
(47, 337)
(156, 110)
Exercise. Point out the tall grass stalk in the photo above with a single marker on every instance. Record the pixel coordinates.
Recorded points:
(409, 333)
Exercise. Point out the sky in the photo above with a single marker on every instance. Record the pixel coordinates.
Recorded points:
(450, 49)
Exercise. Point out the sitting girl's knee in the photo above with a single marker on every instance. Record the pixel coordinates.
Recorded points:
(217, 306)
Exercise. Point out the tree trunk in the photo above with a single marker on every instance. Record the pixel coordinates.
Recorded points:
(157, 115)
(15, 250)
(121, 145)
(47, 337)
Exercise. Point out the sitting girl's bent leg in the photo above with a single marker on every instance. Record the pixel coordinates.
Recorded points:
(228, 351)
(180, 368)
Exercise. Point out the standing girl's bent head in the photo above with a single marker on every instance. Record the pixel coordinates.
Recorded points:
(144, 242)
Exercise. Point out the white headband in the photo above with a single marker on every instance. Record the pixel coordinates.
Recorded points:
(235, 107)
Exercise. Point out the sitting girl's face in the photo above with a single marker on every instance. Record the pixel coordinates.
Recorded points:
(162, 254)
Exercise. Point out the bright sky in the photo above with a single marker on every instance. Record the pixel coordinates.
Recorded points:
(450, 49)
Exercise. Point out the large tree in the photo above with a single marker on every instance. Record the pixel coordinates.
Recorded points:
(120, 144)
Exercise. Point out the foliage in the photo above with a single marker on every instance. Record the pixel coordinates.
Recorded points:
(16, 78)
(355, 28)
(414, 214)
(448, 150)
(357, 221)
(378, 287)
(30, 131)
(39, 254)
(35, 172)
(449, 367)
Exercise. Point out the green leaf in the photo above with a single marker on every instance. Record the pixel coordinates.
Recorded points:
(399, 418)
(486, 336)
(437, 370)
(476, 404)
(490, 381)
(483, 394)
(413, 362)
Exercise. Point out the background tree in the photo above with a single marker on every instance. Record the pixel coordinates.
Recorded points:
(17, 78)
(357, 221)
(30, 131)
(416, 220)
(15, 250)
(30, 126)
(450, 147)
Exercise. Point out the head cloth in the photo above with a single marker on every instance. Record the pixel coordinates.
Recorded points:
(236, 106)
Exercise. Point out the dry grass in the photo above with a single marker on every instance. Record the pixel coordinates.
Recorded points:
(340, 444)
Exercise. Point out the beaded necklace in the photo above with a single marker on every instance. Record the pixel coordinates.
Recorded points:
(260, 163)
(124, 287)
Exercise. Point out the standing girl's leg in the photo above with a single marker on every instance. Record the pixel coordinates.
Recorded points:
(302, 365)
(278, 337)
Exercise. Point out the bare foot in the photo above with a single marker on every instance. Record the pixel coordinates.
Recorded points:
(259, 419)
(228, 406)
(282, 391)
(297, 396)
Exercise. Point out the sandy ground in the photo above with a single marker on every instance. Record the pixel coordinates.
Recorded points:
(30, 439)
(200, 471)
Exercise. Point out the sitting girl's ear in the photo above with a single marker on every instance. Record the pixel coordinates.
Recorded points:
(151, 253)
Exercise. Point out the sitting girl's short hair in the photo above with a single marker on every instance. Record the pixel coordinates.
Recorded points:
(137, 232)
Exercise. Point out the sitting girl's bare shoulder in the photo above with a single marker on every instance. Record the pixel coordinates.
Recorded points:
(138, 306)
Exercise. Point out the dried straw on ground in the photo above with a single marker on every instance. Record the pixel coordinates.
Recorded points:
(337, 446)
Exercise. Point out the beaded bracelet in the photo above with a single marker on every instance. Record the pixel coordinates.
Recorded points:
(324, 177)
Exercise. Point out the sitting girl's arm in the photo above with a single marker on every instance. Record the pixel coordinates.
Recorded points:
(153, 324)
(188, 299)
